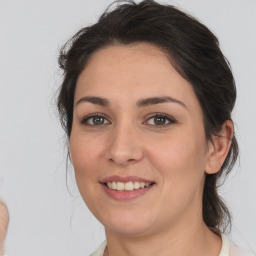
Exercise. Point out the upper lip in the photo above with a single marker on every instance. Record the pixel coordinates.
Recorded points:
(125, 179)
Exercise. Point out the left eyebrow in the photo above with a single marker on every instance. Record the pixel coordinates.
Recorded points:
(157, 100)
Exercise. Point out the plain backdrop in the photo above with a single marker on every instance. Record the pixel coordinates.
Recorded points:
(46, 218)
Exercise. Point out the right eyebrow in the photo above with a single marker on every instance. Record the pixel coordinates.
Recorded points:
(94, 100)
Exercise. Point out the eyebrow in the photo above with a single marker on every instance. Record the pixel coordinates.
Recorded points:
(141, 103)
(157, 100)
(94, 100)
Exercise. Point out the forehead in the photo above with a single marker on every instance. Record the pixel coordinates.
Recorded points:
(136, 70)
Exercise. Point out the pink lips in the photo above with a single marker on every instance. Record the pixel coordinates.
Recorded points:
(125, 195)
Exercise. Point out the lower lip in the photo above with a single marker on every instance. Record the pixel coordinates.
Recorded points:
(126, 195)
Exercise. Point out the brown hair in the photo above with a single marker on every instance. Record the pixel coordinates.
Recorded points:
(192, 49)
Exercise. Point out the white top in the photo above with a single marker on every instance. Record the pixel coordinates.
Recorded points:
(227, 249)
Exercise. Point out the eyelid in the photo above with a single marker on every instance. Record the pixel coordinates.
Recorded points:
(86, 118)
(168, 117)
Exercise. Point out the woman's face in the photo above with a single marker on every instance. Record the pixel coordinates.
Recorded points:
(138, 123)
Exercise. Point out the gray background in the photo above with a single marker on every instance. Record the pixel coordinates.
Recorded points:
(45, 218)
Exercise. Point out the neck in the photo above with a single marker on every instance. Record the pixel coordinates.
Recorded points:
(194, 240)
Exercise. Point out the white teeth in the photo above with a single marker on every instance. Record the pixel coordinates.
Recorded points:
(120, 185)
(114, 185)
(128, 186)
(136, 185)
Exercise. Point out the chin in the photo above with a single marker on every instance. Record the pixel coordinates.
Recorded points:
(128, 224)
(128, 230)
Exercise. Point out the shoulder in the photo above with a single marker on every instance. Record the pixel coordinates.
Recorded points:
(229, 249)
(100, 250)
(236, 251)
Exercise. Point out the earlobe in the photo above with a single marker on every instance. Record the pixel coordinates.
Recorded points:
(219, 148)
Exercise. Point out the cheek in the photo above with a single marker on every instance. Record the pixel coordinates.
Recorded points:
(84, 155)
(176, 151)
(180, 160)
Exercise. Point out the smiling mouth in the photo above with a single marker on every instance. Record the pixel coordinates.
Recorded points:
(127, 186)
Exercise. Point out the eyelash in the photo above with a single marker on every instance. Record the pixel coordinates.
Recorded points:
(161, 115)
(155, 115)
(87, 118)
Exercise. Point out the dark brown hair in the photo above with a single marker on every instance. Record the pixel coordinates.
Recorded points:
(191, 48)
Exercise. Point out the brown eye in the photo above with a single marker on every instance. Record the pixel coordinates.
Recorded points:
(160, 120)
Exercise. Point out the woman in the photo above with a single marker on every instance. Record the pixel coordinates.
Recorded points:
(146, 103)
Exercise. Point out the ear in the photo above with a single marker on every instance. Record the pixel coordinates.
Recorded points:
(219, 147)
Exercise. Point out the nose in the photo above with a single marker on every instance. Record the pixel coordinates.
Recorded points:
(125, 146)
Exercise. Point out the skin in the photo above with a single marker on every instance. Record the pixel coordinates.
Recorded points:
(4, 220)
(176, 156)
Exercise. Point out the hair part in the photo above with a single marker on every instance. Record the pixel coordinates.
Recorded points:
(194, 52)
